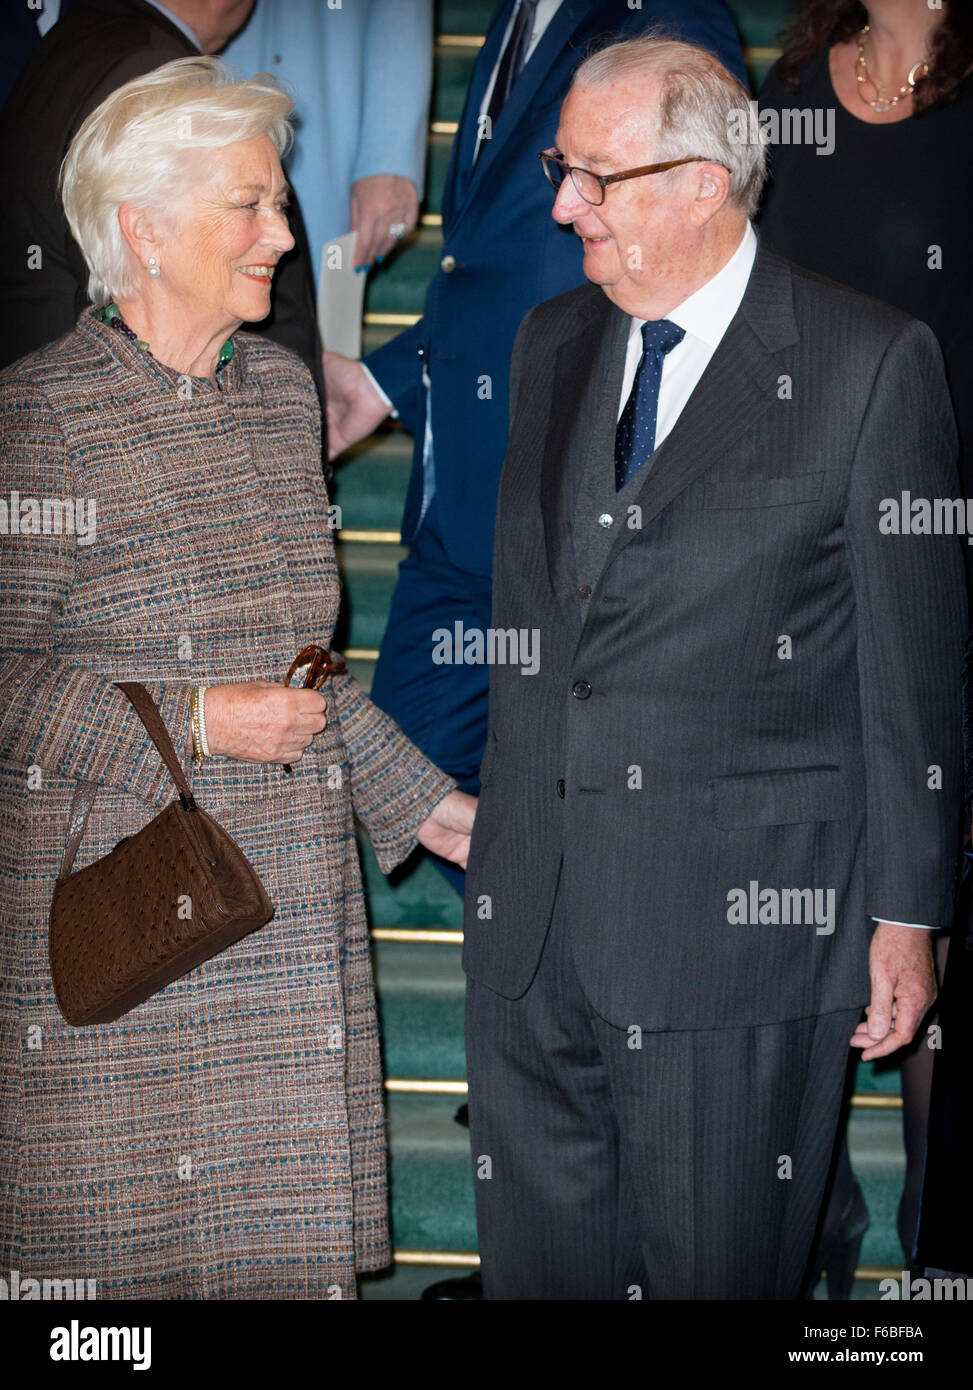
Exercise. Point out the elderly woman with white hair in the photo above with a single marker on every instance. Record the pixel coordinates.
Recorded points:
(225, 1139)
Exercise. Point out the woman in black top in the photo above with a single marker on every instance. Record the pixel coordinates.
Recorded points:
(888, 210)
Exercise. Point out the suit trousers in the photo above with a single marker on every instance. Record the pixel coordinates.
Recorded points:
(610, 1163)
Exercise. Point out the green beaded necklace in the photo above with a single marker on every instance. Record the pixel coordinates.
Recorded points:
(111, 314)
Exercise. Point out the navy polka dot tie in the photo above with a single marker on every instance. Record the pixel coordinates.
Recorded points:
(635, 435)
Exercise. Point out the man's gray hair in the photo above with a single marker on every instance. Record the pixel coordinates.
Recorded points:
(699, 105)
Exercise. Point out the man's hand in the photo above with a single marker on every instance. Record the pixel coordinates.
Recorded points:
(355, 408)
(447, 830)
(377, 203)
(900, 963)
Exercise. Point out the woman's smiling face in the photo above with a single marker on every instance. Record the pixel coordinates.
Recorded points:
(230, 230)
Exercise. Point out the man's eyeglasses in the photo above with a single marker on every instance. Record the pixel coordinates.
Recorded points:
(591, 187)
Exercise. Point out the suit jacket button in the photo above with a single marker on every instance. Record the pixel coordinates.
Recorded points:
(606, 519)
(447, 264)
(581, 690)
(584, 591)
(560, 787)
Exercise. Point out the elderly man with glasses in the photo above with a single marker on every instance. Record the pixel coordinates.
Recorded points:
(719, 820)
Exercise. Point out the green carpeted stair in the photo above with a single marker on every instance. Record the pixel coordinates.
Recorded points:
(416, 916)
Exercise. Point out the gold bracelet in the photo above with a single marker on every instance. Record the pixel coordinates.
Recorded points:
(198, 754)
(201, 706)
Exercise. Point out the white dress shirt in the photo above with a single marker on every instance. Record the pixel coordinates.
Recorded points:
(48, 16)
(705, 316)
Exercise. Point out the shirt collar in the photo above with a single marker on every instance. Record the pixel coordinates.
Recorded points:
(180, 24)
(706, 314)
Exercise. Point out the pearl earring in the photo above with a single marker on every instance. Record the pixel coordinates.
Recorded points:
(153, 266)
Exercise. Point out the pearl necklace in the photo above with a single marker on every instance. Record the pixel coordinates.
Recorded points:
(884, 103)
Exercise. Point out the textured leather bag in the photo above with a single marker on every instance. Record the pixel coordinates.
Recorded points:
(163, 901)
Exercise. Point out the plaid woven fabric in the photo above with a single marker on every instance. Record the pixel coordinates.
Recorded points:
(225, 1140)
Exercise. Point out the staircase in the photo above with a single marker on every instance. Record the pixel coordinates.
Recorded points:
(416, 916)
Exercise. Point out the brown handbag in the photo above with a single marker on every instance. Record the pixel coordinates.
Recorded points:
(164, 900)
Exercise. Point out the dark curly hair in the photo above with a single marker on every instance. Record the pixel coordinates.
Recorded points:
(821, 23)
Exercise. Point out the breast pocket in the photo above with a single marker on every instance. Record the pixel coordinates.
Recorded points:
(789, 796)
(733, 493)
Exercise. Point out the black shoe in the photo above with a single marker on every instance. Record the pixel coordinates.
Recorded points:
(468, 1286)
(462, 1116)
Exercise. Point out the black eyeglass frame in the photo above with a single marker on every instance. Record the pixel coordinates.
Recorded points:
(552, 157)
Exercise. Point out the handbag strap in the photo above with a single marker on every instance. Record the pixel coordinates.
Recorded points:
(85, 792)
(147, 711)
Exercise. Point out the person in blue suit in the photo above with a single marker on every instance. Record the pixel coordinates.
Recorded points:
(447, 376)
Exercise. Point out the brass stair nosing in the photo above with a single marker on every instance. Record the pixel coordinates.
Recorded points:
(365, 537)
(442, 1086)
(451, 1258)
(391, 320)
(417, 1086)
(874, 1273)
(428, 937)
(755, 52)
(360, 653)
(460, 40)
(463, 1259)
(761, 53)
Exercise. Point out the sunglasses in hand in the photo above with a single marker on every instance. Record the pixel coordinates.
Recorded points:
(309, 670)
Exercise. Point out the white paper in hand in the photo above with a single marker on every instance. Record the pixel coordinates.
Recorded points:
(341, 295)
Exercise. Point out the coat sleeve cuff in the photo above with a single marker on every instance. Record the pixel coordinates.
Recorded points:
(394, 786)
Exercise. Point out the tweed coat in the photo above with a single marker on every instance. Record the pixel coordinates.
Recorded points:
(226, 1139)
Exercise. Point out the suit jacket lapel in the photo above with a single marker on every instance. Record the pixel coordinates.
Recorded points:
(738, 385)
(549, 50)
(465, 143)
(588, 373)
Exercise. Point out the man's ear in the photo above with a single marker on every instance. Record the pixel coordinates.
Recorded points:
(711, 188)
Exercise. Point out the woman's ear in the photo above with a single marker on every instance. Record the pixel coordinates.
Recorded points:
(140, 229)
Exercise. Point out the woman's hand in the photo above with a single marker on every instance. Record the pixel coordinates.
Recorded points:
(447, 830)
(261, 722)
(377, 203)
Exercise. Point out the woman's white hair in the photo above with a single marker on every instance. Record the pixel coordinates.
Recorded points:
(699, 109)
(134, 148)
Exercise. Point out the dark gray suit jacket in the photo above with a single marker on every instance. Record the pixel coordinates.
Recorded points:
(667, 752)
